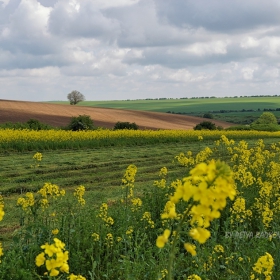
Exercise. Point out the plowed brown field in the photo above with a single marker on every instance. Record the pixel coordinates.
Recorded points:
(60, 115)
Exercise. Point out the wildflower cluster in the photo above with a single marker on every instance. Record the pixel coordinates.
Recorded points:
(55, 258)
(206, 189)
(76, 277)
(95, 236)
(37, 158)
(27, 202)
(238, 211)
(49, 191)
(103, 214)
(2, 212)
(264, 265)
(147, 217)
(109, 240)
(136, 204)
(79, 193)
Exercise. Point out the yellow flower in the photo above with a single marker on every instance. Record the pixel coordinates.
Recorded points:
(95, 236)
(264, 265)
(162, 239)
(38, 156)
(129, 230)
(190, 248)
(200, 234)
(219, 249)
(54, 257)
(163, 171)
(40, 259)
(79, 193)
(55, 231)
(193, 277)
(76, 277)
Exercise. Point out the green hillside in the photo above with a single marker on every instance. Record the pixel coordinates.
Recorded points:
(188, 105)
(237, 110)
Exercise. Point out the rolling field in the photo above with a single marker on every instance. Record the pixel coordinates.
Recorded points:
(246, 109)
(195, 105)
(60, 115)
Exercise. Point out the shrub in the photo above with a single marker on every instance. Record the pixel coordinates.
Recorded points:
(208, 116)
(82, 122)
(126, 125)
(265, 127)
(266, 118)
(32, 124)
(36, 125)
(205, 125)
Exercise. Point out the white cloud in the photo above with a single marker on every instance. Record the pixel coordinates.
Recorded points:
(127, 49)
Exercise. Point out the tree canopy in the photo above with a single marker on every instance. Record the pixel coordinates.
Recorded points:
(75, 97)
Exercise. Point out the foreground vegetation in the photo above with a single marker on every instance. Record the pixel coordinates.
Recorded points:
(165, 219)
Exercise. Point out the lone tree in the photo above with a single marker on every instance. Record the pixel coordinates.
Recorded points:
(75, 97)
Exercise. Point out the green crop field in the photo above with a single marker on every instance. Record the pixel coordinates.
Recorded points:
(189, 105)
(242, 110)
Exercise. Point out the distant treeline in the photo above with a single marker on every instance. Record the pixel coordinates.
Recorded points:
(206, 97)
(227, 111)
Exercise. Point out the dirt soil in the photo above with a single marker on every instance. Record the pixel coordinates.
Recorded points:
(60, 115)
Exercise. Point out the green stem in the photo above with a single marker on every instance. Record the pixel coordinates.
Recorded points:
(176, 237)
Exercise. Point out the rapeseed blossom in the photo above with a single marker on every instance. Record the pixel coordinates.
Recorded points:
(2, 212)
(264, 265)
(75, 277)
(27, 202)
(206, 191)
(37, 158)
(109, 240)
(193, 277)
(79, 193)
(238, 211)
(55, 258)
(163, 239)
(55, 231)
(103, 214)
(190, 248)
(147, 217)
(1, 251)
(95, 236)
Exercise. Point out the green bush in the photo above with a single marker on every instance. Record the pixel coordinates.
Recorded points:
(82, 122)
(266, 118)
(205, 125)
(126, 125)
(208, 116)
(36, 125)
(265, 127)
(32, 124)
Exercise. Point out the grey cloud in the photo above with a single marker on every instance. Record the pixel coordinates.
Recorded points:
(178, 58)
(217, 15)
(139, 27)
(11, 61)
(48, 3)
(85, 20)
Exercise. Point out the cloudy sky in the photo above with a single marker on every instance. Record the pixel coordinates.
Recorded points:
(138, 49)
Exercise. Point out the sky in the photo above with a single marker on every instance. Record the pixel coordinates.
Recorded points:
(138, 49)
